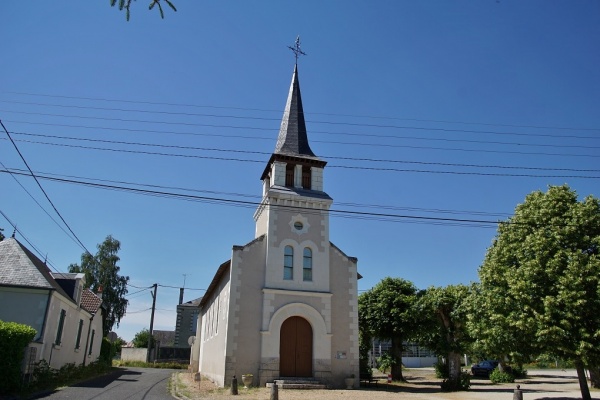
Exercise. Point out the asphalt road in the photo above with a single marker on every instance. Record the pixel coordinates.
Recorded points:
(127, 383)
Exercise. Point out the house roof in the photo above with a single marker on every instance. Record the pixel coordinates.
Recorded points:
(20, 267)
(191, 303)
(90, 301)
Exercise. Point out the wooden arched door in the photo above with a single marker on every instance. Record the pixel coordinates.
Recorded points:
(295, 348)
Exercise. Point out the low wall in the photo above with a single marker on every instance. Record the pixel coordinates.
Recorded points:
(418, 362)
(134, 354)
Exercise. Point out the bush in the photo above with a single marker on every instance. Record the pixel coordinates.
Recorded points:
(519, 372)
(497, 376)
(14, 338)
(464, 383)
(107, 352)
(386, 361)
(441, 370)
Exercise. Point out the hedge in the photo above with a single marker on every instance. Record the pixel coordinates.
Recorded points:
(14, 338)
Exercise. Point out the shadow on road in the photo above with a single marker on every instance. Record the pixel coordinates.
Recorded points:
(102, 381)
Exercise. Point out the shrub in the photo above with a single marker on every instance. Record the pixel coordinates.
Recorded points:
(463, 383)
(441, 370)
(386, 361)
(107, 352)
(497, 376)
(519, 372)
(14, 338)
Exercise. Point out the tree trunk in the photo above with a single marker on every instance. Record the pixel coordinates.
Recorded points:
(595, 377)
(585, 390)
(396, 351)
(454, 367)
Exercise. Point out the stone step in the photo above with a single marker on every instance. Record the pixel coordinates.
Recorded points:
(297, 383)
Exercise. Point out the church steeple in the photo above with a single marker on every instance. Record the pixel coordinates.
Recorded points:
(292, 139)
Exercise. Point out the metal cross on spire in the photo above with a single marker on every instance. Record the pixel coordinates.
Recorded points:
(296, 49)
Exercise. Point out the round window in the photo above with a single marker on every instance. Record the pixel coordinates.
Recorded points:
(298, 225)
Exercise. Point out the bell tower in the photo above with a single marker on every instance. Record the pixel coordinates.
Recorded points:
(294, 211)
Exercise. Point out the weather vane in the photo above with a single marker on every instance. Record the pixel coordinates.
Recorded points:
(296, 49)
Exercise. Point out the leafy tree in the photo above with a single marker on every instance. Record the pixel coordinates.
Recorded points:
(444, 328)
(141, 339)
(126, 4)
(387, 312)
(543, 272)
(101, 271)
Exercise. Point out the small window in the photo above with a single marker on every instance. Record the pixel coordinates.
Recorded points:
(289, 175)
(79, 329)
(59, 331)
(298, 225)
(288, 263)
(307, 264)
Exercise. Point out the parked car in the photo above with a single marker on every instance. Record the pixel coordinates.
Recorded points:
(484, 368)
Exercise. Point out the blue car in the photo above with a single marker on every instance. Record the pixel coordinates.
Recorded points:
(484, 368)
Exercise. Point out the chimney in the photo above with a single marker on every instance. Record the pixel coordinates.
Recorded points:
(99, 291)
(180, 295)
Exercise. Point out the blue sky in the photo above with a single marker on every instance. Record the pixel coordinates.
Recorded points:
(445, 110)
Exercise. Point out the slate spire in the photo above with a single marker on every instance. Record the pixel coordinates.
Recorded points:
(292, 139)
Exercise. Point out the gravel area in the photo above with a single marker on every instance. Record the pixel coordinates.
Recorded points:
(421, 384)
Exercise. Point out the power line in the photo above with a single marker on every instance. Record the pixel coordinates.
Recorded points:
(252, 196)
(325, 156)
(39, 205)
(312, 113)
(362, 144)
(329, 166)
(34, 247)
(242, 203)
(42, 189)
(396, 127)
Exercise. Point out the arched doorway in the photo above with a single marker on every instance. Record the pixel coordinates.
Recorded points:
(295, 348)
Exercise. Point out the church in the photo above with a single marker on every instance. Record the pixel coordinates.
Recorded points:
(286, 303)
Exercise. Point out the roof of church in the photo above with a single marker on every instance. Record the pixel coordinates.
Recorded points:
(292, 139)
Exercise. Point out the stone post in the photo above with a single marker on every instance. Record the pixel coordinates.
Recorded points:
(518, 395)
(234, 389)
(274, 392)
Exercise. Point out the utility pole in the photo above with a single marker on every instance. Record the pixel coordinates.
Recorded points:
(150, 339)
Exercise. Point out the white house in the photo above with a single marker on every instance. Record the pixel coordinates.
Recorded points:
(284, 304)
(67, 318)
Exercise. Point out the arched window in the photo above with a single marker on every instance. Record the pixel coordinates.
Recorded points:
(288, 263)
(307, 264)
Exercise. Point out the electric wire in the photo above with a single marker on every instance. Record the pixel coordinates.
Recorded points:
(394, 217)
(325, 156)
(39, 205)
(33, 246)
(331, 123)
(313, 113)
(195, 156)
(42, 189)
(258, 198)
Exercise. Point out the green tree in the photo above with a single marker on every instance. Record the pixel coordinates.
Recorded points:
(540, 279)
(101, 271)
(444, 328)
(126, 4)
(387, 312)
(141, 339)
